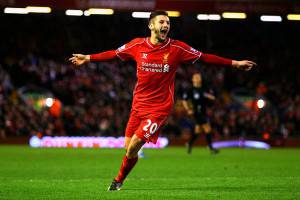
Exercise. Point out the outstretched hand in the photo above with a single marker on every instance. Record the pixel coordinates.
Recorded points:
(244, 64)
(79, 59)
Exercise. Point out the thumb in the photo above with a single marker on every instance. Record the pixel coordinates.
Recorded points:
(80, 56)
(75, 55)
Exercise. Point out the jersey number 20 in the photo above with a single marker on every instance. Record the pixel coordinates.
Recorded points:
(152, 127)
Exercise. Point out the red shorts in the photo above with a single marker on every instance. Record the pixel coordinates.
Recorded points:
(145, 127)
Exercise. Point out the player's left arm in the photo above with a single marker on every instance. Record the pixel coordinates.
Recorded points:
(189, 54)
(213, 59)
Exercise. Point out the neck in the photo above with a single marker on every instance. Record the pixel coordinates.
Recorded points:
(154, 40)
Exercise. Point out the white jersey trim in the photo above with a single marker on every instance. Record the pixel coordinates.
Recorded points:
(166, 44)
(149, 43)
(119, 56)
(189, 52)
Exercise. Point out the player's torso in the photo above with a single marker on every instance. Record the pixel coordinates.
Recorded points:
(156, 69)
(156, 63)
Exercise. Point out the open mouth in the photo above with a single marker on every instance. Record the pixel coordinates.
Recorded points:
(164, 31)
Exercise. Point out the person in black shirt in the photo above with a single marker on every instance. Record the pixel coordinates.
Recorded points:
(199, 99)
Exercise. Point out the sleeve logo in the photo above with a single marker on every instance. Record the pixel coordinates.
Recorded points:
(121, 48)
(193, 50)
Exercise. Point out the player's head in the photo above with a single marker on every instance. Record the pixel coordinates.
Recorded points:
(197, 79)
(159, 24)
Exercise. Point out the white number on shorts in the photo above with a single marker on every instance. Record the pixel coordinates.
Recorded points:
(153, 126)
(145, 128)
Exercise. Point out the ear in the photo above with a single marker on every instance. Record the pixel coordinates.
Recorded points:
(151, 26)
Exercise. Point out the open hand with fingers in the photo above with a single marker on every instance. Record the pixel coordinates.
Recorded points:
(79, 59)
(243, 64)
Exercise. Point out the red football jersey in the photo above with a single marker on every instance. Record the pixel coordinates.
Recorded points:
(156, 69)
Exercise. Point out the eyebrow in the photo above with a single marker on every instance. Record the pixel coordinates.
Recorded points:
(164, 20)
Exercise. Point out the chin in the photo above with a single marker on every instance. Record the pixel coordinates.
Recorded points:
(161, 39)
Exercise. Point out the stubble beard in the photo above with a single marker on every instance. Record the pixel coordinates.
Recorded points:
(157, 32)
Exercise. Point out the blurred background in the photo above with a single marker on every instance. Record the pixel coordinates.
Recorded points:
(42, 94)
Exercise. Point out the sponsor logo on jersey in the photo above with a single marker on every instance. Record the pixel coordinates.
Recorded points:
(166, 68)
(155, 67)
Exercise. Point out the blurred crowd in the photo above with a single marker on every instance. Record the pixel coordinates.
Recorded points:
(96, 98)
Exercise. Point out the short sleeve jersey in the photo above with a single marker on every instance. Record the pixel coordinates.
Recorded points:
(156, 69)
(197, 98)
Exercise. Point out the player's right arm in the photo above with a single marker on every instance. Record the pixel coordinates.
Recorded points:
(125, 52)
(80, 59)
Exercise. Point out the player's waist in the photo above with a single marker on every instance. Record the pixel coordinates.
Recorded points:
(151, 99)
(145, 110)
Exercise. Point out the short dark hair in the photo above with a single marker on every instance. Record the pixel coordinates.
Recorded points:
(156, 13)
